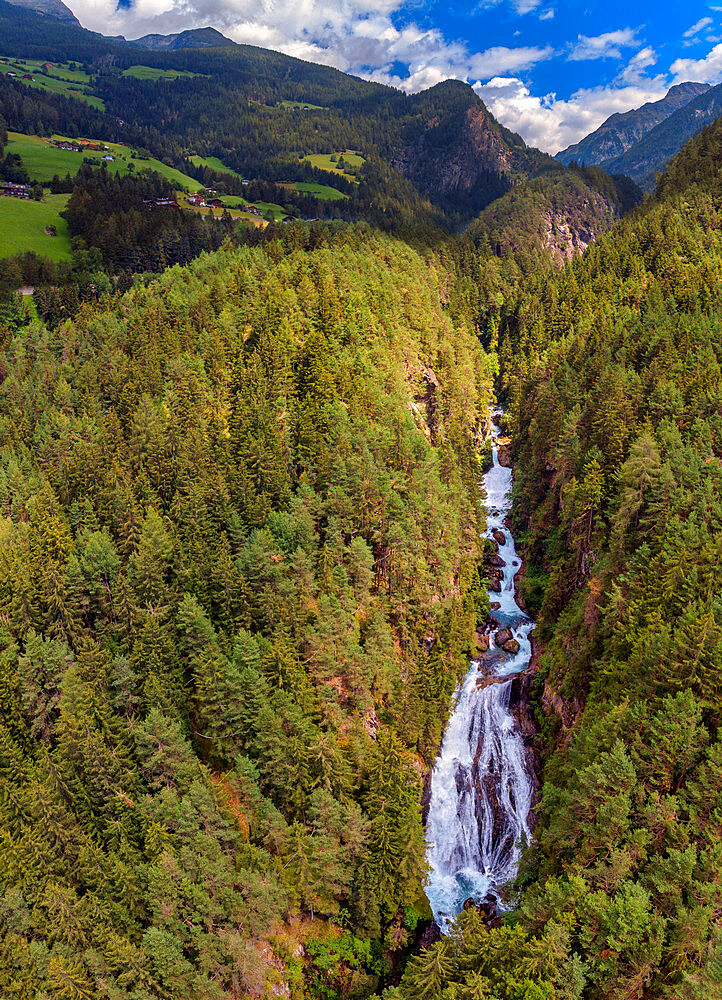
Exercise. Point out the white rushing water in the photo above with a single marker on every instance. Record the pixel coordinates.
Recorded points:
(481, 791)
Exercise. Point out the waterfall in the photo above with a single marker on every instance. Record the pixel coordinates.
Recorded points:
(481, 792)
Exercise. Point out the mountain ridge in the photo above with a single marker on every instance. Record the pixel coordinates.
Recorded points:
(192, 38)
(49, 8)
(651, 154)
(624, 129)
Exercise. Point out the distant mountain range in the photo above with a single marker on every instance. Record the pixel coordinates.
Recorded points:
(646, 158)
(195, 38)
(622, 130)
(639, 143)
(446, 145)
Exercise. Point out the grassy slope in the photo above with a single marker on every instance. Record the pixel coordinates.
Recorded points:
(320, 191)
(288, 105)
(233, 201)
(58, 80)
(43, 160)
(234, 212)
(215, 164)
(323, 161)
(22, 224)
(153, 73)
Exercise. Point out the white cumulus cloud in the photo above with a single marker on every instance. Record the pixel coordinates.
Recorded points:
(703, 22)
(357, 36)
(552, 123)
(706, 70)
(606, 46)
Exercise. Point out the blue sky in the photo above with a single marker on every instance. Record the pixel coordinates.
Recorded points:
(553, 70)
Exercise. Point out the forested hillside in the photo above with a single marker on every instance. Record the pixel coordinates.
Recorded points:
(245, 562)
(611, 372)
(239, 578)
(554, 217)
(437, 157)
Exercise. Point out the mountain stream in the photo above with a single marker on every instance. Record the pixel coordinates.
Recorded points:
(481, 789)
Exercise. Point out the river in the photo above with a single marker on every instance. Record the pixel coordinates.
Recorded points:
(481, 789)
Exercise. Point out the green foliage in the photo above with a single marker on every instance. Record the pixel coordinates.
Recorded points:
(612, 371)
(237, 593)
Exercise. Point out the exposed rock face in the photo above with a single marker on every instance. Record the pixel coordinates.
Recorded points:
(478, 148)
(429, 936)
(567, 711)
(50, 8)
(424, 404)
(520, 701)
(460, 149)
(482, 641)
(563, 239)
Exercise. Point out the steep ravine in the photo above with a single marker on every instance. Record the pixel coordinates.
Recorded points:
(482, 784)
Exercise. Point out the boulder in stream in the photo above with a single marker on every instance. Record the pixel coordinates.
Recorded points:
(495, 605)
(499, 536)
(496, 560)
(502, 636)
(512, 646)
(482, 641)
(495, 585)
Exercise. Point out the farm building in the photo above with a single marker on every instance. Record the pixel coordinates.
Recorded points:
(8, 190)
(161, 203)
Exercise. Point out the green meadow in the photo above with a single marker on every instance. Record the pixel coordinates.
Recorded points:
(233, 201)
(323, 161)
(322, 191)
(213, 163)
(23, 223)
(43, 160)
(58, 79)
(153, 73)
(288, 105)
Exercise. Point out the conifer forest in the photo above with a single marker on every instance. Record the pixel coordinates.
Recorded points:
(281, 499)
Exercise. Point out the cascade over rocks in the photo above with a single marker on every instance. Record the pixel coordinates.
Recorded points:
(483, 785)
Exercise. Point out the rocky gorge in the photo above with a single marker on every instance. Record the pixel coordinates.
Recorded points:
(484, 780)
